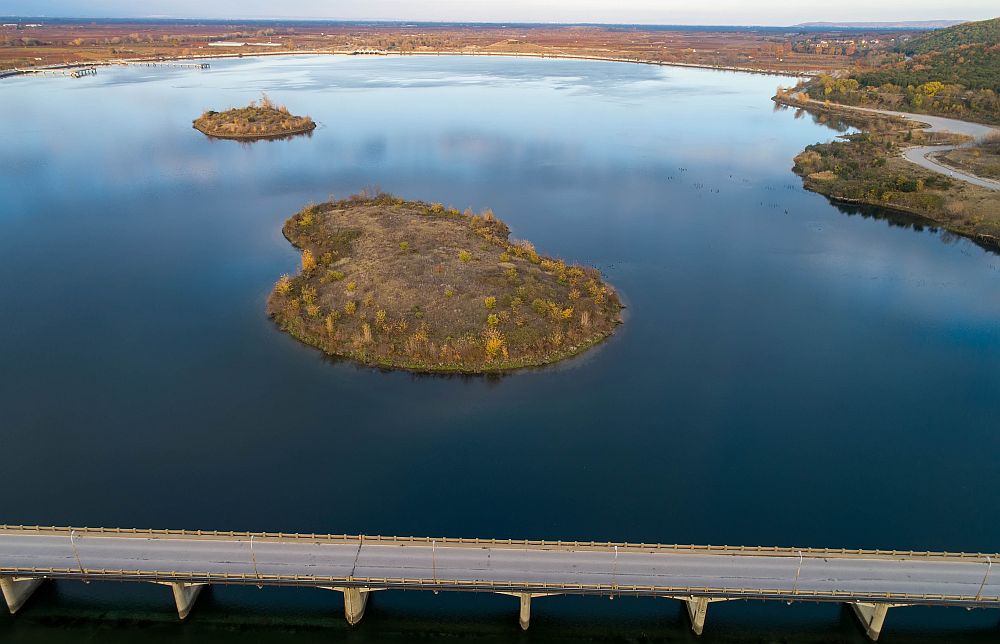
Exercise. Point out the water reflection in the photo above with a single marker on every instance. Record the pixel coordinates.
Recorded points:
(910, 221)
(837, 123)
(247, 142)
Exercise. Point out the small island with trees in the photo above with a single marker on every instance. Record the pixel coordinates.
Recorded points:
(255, 121)
(417, 286)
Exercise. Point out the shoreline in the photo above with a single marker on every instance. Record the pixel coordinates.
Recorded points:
(920, 155)
(257, 137)
(562, 359)
(39, 71)
(981, 129)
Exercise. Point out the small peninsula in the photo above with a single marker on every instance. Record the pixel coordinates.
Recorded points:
(416, 286)
(255, 121)
(868, 168)
(894, 162)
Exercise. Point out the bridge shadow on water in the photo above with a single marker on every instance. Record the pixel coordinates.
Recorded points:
(119, 613)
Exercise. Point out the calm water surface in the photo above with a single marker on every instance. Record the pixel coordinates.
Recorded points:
(788, 373)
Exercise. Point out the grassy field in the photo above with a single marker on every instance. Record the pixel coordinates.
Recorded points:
(263, 121)
(982, 160)
(410, 285)
(68, 42)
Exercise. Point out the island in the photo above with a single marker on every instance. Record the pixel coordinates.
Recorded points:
(255, 121)
(410, 285)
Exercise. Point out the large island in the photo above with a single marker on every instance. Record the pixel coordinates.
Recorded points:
(417, 286)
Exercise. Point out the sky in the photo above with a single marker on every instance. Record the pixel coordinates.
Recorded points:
(705, 12)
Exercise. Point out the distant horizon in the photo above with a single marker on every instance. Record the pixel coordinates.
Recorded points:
(810, 23)
(763, 13)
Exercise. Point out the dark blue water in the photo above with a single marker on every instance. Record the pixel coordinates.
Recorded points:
(788, 373)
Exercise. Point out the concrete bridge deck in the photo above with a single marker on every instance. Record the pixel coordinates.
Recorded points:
(870, 580)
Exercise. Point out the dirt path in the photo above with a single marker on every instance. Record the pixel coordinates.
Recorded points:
(922, 155)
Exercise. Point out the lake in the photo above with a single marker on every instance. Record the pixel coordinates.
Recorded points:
(789, 373)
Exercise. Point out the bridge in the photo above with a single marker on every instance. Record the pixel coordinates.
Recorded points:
(870, 581)
(158, 63)
(75, 72)
(81, 70)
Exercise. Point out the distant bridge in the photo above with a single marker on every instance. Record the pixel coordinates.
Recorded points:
(75, 72)
(158, 63)
(871, 581)
(81, 70)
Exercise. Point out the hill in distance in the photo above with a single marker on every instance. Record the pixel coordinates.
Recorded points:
(953, 71)
(983, 32)
(967, 54)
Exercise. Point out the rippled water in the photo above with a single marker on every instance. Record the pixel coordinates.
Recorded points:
(788, 374)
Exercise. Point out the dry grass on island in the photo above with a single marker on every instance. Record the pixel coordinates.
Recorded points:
(418, 286)
(263, 121)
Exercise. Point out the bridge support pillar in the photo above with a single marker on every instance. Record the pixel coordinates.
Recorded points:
(185, 595)
(355, 600)
(524, 616)
(17, 590)
(697, 610)
(872, 617)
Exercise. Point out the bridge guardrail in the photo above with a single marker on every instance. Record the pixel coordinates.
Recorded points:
(505, 543)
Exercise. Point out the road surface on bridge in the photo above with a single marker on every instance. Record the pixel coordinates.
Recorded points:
(489, 565)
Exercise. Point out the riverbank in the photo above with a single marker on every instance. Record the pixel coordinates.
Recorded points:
(880, 166)
(352, 53)
(73, 42)
(409, 285)
(969, 135)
